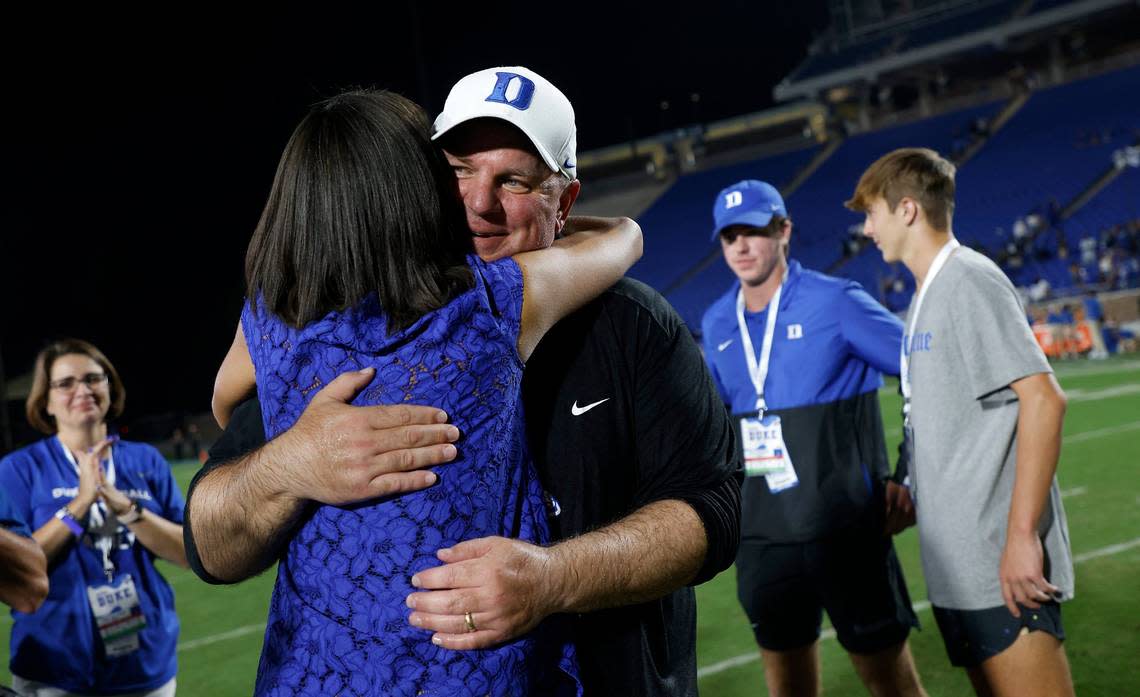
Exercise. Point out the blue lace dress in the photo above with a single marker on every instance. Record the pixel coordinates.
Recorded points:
(337, 620)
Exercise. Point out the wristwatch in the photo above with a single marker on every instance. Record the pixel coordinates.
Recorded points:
(131, 515)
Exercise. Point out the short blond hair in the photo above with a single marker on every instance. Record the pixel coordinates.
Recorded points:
(918, 173)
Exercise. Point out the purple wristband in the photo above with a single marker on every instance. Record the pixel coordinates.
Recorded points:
(65, 517)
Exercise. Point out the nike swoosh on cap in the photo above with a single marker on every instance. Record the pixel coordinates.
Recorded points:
(568, 164)
(723, 346)
(578, 411)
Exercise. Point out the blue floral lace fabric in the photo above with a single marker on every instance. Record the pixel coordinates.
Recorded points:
(337, 620)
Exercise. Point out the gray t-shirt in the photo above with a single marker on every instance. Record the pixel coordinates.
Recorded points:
(971, 343)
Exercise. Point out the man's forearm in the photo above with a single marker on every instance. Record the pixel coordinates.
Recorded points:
(505, 587)
(241, 517)
(23, 572)
(648, 554)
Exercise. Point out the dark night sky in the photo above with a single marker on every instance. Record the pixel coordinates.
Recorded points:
(141, 145)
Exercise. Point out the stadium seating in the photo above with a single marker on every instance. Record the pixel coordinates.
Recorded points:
(1051, 150)
(1047, 152)
(817, 206)
(1115, 204)
(678, 225)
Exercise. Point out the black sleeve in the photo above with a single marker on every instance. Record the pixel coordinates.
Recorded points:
(686, 446)
(902, 467)
(244, 434)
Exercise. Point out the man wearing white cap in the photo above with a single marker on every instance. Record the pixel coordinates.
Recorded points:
(798, 358)
(629, 437)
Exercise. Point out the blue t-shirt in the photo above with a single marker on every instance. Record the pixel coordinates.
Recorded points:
(59, 644)
(832, 341)
(338, 620)
(8, 519)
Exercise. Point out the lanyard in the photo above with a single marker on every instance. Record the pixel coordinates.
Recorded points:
(758, 371)
(104, 541)
(904, 362)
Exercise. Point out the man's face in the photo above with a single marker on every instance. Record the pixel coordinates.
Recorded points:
(886, 228)
(754, 253)
(514, 202)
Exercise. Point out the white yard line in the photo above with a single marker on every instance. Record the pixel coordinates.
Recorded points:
(1075, 491)
(1082, 395)
(1106, 551)
(1099, 433)
(1080, 370)
(215, 638)
(1072, 438)
(920, 606)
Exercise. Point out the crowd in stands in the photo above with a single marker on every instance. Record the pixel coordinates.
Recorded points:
(1037, 252)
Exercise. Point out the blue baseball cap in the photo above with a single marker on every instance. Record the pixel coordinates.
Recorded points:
(749, 202)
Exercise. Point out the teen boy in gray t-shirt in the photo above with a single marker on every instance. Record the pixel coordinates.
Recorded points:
(983, 422)
(970, 344)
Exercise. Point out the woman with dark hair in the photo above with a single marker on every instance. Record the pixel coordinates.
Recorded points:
(102, 509)
(363, 260)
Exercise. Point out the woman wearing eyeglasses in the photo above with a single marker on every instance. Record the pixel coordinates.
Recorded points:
(102, 510)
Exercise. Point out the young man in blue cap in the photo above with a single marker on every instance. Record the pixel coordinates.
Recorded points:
(798, 357)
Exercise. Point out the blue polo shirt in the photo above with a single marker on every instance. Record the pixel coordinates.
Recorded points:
(59, 644)
(832, 341)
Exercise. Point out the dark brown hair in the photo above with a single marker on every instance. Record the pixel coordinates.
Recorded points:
(36, 405)
(918, 173)
(362, 202)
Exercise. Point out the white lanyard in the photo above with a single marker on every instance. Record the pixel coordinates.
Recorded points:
(759, 371)
(904, 363)
(103, 541)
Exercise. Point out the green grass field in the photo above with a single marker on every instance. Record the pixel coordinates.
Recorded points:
(1099, 474)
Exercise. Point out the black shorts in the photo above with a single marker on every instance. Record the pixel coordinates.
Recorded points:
(854, 575)
(973, 636)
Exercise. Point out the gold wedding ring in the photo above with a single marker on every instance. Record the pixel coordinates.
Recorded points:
(469, 621)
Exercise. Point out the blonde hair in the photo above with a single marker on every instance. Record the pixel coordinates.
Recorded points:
(918, 173)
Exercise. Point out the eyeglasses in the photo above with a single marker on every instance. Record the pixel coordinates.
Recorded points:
(70, 382)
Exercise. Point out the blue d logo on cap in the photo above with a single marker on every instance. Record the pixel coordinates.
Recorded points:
(522, 98)
(750, 202)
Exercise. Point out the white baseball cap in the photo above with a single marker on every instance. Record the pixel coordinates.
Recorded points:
(523, 98)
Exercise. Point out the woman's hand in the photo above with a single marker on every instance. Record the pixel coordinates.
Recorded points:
(90, 466)
(119, 503)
